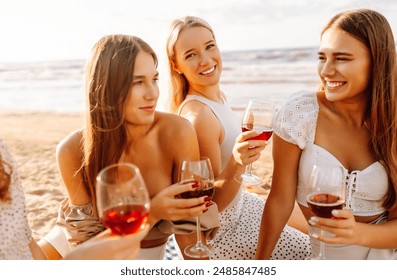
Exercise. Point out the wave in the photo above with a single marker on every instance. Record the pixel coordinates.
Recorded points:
(59, 85)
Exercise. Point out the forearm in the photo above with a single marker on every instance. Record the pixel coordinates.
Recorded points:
(274, 219)
(380, 236)
(226, 185)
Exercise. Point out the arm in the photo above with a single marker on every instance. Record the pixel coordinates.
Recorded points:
(243, 154)
(210, 134)
(280, 202)
(188, 148)
(348, 231)
(69, 158)
(109, 247)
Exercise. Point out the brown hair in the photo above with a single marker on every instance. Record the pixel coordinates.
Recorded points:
(374, 31)
(109, 74)
(179, 85)
(5, 180)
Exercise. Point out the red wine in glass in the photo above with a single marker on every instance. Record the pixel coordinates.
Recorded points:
(123, 200)
(198, 172)
(126, 219)
(204, 188)
(322, 204)
(265, 135)
(325, 192)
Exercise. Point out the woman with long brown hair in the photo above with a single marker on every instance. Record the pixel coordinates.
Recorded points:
(122, 125)
(351, 121)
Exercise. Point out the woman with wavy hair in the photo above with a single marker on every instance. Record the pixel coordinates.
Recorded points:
(351, 121)
(122, 125)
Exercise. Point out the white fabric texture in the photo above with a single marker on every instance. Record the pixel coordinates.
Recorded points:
(238, 236)
(296, 123)
(15, 233)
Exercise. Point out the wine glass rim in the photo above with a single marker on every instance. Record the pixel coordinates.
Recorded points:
(133, 167)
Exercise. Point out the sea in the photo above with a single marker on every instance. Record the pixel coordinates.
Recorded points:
(58, 85)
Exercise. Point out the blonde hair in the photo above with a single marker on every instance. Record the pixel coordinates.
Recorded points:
(179, 85)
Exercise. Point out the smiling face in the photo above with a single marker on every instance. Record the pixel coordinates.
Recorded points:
(143, 94)
(197, 56)
(344, 65)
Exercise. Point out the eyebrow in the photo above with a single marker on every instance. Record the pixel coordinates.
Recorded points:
(338, 53)
(143, 76)
(206, 43)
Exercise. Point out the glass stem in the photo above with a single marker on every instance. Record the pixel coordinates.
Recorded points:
(321, 254)
(248, 169)
(198, 231)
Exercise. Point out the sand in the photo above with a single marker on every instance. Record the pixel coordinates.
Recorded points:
(32, 138)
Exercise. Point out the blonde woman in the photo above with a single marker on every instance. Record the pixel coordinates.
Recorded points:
(195, 66)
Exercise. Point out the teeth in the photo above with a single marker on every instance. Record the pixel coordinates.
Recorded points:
(334, 84)
(208, 71)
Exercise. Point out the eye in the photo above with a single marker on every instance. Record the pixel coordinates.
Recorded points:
(136, 83)
(210, 46)
(190, 55)
(342, 58)
(322, 58)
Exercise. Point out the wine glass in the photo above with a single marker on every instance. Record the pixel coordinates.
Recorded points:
(123, 201)
(198, 172)
(325, 193)
(257, 116)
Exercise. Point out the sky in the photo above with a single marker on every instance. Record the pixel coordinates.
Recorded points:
(41, 30)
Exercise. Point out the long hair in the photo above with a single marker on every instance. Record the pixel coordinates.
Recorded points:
(179, 85)
(109, 74)
(374, 31)
(5, 180)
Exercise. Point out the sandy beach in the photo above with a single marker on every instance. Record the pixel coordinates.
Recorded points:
(32, 138)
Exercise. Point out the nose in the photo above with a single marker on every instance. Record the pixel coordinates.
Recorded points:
(152, 92)
(326, 68)
(204, 59)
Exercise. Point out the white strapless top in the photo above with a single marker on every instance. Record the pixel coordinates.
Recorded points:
(296, 123)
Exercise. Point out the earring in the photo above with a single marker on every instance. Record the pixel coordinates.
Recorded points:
(179, 72)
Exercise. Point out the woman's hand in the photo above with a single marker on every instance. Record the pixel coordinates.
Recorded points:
(165, 206)
(110, 247)
(248, 151)
(343, 226)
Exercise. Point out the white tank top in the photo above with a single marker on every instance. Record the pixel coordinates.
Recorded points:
(231, 126)
(229, 122)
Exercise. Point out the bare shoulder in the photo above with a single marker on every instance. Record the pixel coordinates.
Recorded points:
(70, 145)
(173, 124)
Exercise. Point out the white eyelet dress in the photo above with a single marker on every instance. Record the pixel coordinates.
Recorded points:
(238, 235)
(296, 123)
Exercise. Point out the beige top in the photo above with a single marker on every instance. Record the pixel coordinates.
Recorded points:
(81, 224)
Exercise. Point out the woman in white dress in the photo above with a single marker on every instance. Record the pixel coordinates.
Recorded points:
(351, 121)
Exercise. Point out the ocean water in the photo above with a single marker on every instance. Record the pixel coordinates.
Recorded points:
(59, 85)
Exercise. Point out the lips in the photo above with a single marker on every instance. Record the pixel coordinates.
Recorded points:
(208, 71)
(148, 108)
